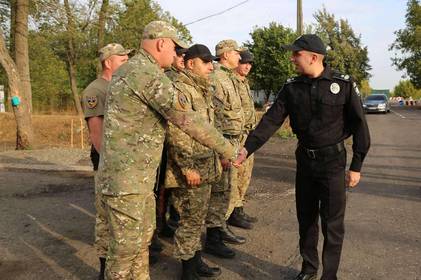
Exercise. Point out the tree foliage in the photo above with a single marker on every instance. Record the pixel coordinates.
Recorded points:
(272, 66)
(406, 89)
(48, 42)
(345, 51)
(408, 44)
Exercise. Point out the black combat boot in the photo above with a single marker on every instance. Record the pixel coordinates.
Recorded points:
(101, 268)
(230, 237)
(247, 217)
(203, 270)
(215, 246)
(239, 221)
(189, 269)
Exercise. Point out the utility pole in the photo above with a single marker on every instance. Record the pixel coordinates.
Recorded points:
(300, 23)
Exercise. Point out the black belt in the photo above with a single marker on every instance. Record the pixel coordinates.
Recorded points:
(323, 152)
(229, 136)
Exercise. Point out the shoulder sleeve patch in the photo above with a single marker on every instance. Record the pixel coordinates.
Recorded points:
(357, 91)
(92, 102)
(181, 101)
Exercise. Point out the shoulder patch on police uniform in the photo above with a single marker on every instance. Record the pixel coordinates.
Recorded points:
(92, 101)
(357, 91)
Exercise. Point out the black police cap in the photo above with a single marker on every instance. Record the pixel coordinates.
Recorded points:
(200, 51)
(246, 57)
(180, 51)
(308, 42)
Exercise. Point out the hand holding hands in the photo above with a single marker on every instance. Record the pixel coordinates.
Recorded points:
(241, 157)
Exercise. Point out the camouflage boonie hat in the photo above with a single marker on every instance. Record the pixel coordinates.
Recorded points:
(162, 29)
(226, 46)
(112, 49)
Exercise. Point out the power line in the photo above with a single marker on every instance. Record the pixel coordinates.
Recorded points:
(219, 13)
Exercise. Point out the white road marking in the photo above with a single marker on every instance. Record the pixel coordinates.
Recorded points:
(399, 115)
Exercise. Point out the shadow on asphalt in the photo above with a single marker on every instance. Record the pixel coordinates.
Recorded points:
(387, 189)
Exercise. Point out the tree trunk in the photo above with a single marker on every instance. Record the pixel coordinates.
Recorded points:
(12, 28)
(101, 29)
(24, 135)
(21, 50)
(71, 57)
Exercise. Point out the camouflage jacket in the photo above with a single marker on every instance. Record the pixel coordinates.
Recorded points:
(172, 73)
(228, 108)
(250, 119)
(140, 100)
(185, 153)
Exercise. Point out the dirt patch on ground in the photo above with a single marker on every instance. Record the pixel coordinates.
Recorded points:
(49, 131)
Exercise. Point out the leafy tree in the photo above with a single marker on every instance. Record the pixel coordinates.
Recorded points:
(345, 52)
(272, 66)
(49, 77)
(131, 18)
(406, 89)
(365, 88)
(408, 43)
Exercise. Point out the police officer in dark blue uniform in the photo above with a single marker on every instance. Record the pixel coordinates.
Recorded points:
(324, 108)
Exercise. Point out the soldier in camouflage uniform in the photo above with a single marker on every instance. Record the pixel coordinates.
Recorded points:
(168, 227)
(93, 103)
(235, 213)
(192, 167)
(230, 119)
(140, 100)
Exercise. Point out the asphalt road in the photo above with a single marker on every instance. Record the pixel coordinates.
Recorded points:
(46, 218)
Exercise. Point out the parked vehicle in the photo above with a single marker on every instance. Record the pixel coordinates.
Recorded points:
(376, 103)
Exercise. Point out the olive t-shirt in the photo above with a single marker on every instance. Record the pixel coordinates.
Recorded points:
(93, 104)
(93, 100)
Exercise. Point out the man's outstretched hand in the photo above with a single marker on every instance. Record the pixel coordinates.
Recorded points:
(241, 157)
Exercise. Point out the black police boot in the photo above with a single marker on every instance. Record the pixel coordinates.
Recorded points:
(239, 221)
(215, 246)
(230, 237)
(306, 276)
(101, 268)
(247, 217)
(189, 269)
(203, 270)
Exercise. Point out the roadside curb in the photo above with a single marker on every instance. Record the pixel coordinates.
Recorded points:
(46, 167)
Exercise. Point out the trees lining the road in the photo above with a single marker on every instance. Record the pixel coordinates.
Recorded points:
(63, 51)
(272, 64)
(407, 45)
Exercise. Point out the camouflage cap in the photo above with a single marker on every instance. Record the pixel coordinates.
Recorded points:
(226, 46)
(112, 49)
(162, 29)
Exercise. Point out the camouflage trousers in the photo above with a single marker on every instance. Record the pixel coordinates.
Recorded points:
(131, 220)
(102, 234)
(192, 205)
(219, 199)
(238, 192)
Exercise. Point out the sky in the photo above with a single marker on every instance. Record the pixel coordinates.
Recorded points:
(376, 21)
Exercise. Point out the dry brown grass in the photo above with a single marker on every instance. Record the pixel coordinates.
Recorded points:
(49, 131)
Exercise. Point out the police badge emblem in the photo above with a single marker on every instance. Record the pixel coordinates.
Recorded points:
(335, 88)
(92, 102)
